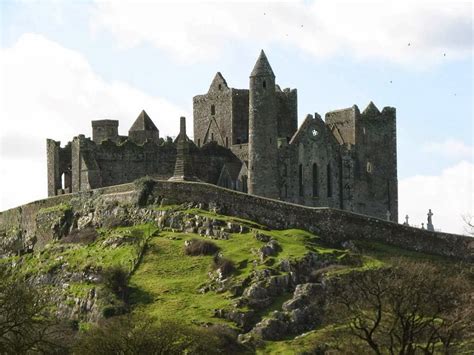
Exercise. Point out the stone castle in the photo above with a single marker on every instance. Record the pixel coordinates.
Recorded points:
(248, 140)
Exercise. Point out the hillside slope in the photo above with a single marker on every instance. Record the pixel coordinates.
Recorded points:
(102, 256)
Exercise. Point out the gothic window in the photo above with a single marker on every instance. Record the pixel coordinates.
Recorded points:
(315, 180)
(227, 142)
(264, 84)
(213, 110)
(220, 87)
(329, 180)
(300, 180)
(212, 137)
(244, 183)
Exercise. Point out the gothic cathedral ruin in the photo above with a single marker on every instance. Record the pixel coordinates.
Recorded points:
(248, 140)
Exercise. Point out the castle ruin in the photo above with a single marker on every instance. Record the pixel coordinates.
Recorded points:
(248, 140)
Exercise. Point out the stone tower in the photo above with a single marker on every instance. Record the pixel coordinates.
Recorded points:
(143, 129)
(263, 131)
(183, 170)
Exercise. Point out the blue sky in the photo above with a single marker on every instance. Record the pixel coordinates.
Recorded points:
(66, 63)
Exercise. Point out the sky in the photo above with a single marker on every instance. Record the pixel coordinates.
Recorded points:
(65, 63)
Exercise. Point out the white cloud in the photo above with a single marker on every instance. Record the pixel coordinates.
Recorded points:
(450, 195)
(47, 91)
(450, 148)
(194, 31)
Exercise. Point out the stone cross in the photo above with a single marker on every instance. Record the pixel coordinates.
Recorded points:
(429, 225)
(406, 221)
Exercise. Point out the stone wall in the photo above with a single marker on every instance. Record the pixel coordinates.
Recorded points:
(23, 219)
(332, 225)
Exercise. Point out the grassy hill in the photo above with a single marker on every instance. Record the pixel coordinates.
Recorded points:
(140, 265)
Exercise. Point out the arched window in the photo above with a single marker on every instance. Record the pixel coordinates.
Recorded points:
(264, 84)
(244, 183)
(227, 142)
(220, 87)
(300, 180)
(212, 137)
(329, 180)
(315, 180)
(213, 110)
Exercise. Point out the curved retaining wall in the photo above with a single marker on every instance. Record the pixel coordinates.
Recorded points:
(332, 225)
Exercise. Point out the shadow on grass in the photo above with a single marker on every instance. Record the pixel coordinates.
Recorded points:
(138, 296)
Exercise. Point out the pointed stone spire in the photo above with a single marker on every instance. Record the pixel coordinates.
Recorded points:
(143, 129)
(143, 123)
(371, 110)
(262, 66)
(183, 170)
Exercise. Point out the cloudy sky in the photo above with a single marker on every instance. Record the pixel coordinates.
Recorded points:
(65, 63)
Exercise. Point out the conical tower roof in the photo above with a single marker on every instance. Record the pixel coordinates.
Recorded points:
(143, 123)
(262, 66)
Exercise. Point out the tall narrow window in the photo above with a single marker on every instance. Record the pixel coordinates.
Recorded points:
(300, 180)
(199, 142)
(329, 180)
(227, 142)
(212, 137)
(213, 110)
(315, 180)
(264, 84)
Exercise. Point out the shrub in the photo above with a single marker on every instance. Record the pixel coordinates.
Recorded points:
(145, 335)
(83, 236)
(116, 280)
(226, 266)
(200, 247)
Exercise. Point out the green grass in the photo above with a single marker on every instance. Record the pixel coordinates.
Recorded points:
(97, 255)
(167, 281)
(305, 343)
(387, 252)
(62, 207)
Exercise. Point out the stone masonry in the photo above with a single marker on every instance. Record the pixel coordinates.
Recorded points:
(248, 140)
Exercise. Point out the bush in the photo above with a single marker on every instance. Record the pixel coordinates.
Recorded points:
(200, 247)
(84, 236)
(116, 280)
(226, 266)
(145, 335)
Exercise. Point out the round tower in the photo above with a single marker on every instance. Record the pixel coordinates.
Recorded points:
(263, 149)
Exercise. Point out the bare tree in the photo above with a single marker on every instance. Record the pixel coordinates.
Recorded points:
(407, 308)
(468, 224)
(25, 323)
